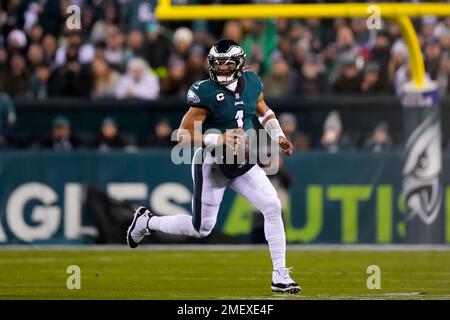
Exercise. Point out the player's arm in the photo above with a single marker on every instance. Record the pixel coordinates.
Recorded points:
(189, 132)
(270, 122)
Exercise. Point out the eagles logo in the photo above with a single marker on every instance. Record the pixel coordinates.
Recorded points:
(192, 97)
(421, 171)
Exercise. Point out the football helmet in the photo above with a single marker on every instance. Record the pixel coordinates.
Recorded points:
(226, 62)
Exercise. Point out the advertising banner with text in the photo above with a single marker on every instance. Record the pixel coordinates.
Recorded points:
(331, 198)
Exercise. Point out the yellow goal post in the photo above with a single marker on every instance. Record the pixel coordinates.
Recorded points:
(400, 12)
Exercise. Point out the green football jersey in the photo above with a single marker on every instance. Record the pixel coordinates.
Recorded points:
(227, 109)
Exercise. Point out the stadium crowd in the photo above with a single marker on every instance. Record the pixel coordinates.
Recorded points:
(122, 51)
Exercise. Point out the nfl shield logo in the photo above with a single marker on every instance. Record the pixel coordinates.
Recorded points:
(237, 96)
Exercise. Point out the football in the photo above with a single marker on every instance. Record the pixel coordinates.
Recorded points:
(241, 145)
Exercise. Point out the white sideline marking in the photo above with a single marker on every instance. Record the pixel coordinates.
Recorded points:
(403, 294)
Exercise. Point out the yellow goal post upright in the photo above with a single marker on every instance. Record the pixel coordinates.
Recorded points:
(422, 188)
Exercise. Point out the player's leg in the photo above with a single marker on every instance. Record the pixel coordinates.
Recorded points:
(257, 188)
(209, 187)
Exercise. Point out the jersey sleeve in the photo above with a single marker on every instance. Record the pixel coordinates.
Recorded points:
(195, 98)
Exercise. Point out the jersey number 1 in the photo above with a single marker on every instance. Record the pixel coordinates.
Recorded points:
(239, 116)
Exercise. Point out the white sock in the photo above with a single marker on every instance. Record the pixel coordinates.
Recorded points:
(179, 224)
(275, 236)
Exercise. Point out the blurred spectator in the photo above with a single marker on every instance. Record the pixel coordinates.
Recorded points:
(393, 30)
(31, 16)
(74, 40)
(349, 80)
(302, 142)
(371, 83)
(445, 41)
(51, 15)
(99, 50)
(12, 15)
(332, 140)
(114, 51)
(259, 41)
(360, 31)
(288, 123)
(182, 41)
(175, 83)
(36, 33)
(283, 26)
(314, 31)
(162, 136)
(7, 118)
(380, 140)
(443, 77)
(402, 76)
(109, 137)
(399, 54)
(433, 52)
(49, 45)
(428, 26)
(17, 77)
(87, 20)
(136, 14)
(279, 80)
(329, 58)
(295, 32)
(254, 64)
(35, 56)
(233, 30)
(138, 82)
(135, 45)
(4, 58)
(346, 48)
(109, 16)
(39, 83)
(442, 28)
(72, 79)
(17, 40)
(301, 50)
(286, 48)
(104, 79)
(158, 49)
(381, 54)
(61, 138)
(195, 66)
(311, 79)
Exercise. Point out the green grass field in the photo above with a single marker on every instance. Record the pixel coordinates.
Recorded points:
(220, 274)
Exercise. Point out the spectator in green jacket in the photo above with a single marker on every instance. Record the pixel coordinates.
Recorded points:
(260, 41)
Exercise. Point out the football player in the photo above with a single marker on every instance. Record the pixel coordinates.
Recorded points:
(228, 100)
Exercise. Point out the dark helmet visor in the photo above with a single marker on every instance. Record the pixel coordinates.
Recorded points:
(223, 66)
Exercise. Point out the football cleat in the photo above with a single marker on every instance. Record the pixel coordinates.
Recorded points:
(282, 282)
(138, 228)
